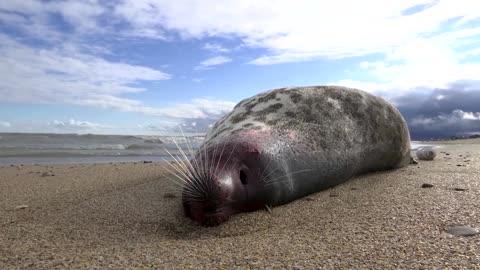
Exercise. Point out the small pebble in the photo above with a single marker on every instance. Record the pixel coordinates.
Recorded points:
(460, 189)
(23, 206)
(45, 174)
(147, 161)
(463, 231)
(169, 195)
(427, 185)
(426, 153)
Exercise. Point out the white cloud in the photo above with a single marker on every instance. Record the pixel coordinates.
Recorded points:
(216, 48)
(198, 80)
(33, 75)
(73, 124)
(83, 15)
(302, 30)
(196, 109)
(5, 124)
(428, 63)
(214, 61)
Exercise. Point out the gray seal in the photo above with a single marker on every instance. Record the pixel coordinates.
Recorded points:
(287, 143)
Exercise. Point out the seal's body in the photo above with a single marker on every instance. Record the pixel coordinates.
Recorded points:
(286, 143)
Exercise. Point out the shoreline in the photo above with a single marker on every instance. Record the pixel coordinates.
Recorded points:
(130, 216)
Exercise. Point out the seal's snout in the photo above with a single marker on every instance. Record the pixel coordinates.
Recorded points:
(207, 212)
(210, 204)
(224, 180)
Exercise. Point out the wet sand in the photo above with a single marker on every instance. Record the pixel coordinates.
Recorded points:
(128, 216)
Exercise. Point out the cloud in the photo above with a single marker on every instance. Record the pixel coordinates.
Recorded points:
(443, 112)
(73, 124)
(198, 80)
(455, 123)
(216, 48)
(5, 124)
(32, 75)
(293, 31)
(214, 61)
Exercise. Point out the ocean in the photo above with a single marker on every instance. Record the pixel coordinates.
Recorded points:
(44, 148)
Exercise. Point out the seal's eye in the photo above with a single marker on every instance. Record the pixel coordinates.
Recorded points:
(243, 177)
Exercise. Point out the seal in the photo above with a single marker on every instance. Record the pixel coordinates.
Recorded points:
(286, 143)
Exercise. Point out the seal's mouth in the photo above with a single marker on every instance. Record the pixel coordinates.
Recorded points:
(206, 215)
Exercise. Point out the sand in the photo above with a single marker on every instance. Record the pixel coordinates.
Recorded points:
(128, 216)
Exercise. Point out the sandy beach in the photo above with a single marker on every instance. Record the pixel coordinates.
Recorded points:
(128, 216)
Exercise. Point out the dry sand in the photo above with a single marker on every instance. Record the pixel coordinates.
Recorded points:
(127, 216)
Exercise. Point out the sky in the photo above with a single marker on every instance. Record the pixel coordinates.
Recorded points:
(150, 67)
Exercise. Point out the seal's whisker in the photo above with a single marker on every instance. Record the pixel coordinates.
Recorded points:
(270, 173)
(212, 162)
(190, 149)
(191, 176)
(177, 169)
(184, 155)
(286, 175)
(180, 189)
(182, 180)
(181, 184)
(233, 150)
(265, 169)
(219, 158)
(182, 161)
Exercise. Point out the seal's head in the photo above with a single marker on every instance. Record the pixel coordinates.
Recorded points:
(225, 178)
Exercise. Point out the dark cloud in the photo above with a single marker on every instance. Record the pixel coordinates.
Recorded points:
(442, 113)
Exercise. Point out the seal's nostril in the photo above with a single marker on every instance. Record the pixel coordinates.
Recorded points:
(243, 177)
(187, 209)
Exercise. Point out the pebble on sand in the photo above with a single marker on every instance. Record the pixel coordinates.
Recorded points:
(45, 174)
(22, 206)
(426, 153)
(463, 231)
(427, 185)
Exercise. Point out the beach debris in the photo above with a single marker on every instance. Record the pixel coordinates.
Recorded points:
(268, 208)
(459, 189)
(413, 161)
(147, 161)
(463, 231)
(460, 165)
(169, 195)
(447, 154)
(427, 185)
(333, 194)
(426, 153)
(46, 174)
(22, 206)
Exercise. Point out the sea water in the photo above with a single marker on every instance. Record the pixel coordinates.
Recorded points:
(44, 148)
